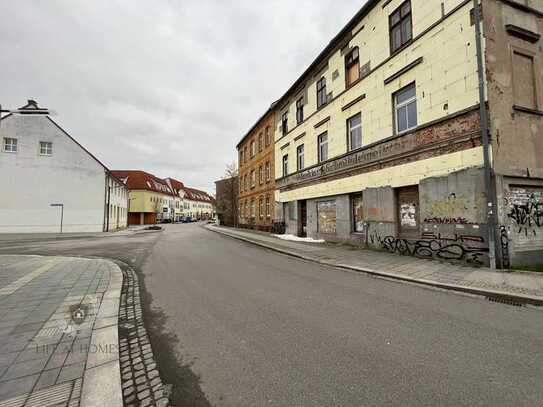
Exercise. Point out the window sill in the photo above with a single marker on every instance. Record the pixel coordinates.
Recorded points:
(402, 47)
(528, 110)
(10, 152)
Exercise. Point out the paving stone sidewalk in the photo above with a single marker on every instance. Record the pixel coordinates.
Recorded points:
(524, 286)
(59, 331)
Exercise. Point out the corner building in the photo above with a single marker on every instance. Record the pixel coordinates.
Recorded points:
(379, 142)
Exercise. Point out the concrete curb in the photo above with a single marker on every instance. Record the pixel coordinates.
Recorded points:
(102, 375)
(499, 296)
(90, 236)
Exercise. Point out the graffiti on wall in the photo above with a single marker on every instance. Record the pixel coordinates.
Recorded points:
(465, 248)
(448, 221)
(504, 242)
(454, 207)
(525, 207)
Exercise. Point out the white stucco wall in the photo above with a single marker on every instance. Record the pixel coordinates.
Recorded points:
(30, 182)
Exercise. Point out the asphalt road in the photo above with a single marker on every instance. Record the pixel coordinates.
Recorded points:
(236, 325)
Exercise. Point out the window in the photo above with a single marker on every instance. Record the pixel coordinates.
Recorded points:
(260, 139)
(358, 213)
(253, 209)
(285, 165)
(268, 138)
(352, 67)
(10, 145)
(245, 154)
(267, 171)
(284, 123)
(354, 132)
(323, 147)
(400, 26)
(300, 157)
(261, 207)
(321, 92)
(240, 158)
(300, 110)
(246, 182)
(253, 178)
(260, 175)
(253, 148)
(268, 214)
(46, 148)
(241, 183)
(405, 108)
(524, 82)
(326, 217)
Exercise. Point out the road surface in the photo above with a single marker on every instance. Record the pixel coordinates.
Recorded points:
(237, 325)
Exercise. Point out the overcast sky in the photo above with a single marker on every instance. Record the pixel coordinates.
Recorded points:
(168, 87)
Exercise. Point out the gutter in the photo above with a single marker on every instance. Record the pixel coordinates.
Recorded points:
(483, 113)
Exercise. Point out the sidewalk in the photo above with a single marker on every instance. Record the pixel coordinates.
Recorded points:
(59, 331)
(510, 287)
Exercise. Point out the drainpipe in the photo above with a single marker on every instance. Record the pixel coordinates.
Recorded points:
(491, 197)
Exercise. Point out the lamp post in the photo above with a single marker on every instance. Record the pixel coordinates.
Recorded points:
(61, 213)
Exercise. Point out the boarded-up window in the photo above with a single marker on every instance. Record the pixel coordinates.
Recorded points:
(524, 80)
(358, 213)
(408, 211)
(326, 217)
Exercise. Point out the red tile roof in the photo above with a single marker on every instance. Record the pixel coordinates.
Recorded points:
(136, 179)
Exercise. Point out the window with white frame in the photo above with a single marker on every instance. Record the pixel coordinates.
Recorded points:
(10, 145)
(268, 175)
(46, 148)
(354, 132)
(323, 147)
(300, 157)
(268, 214)
(285, 165)
(405, 108)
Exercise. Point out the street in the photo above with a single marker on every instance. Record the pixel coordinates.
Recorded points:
(237, 325)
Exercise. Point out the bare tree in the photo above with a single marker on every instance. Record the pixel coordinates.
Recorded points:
(230, 171)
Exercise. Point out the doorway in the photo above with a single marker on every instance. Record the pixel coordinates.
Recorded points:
(408, 211)
(302, 226)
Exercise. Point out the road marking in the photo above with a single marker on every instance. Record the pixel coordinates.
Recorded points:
(11, 288)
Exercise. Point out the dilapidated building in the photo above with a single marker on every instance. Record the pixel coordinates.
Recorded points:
(383, 140)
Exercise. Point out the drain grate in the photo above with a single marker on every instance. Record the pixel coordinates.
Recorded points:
(504, 299)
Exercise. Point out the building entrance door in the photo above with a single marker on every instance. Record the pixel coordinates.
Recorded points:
(408, 211)
(302, 230)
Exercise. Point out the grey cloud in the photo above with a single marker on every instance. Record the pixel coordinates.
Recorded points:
(168, 87)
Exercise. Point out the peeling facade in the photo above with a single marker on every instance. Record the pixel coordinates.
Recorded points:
(381, 145)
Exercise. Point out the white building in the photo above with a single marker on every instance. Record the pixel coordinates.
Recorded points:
(46, 176)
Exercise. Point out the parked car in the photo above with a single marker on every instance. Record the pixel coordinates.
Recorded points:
(186, 219)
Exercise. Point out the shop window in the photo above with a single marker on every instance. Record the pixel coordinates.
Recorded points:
(358, 213)
(326, 217)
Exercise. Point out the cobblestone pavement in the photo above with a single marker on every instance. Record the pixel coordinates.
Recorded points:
(527, 285)
(58, 331)
(141, 381)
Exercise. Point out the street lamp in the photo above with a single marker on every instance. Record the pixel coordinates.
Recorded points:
(61, 213)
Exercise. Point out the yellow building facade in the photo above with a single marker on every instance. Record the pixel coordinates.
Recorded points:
(383, 126)
(382, 140)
